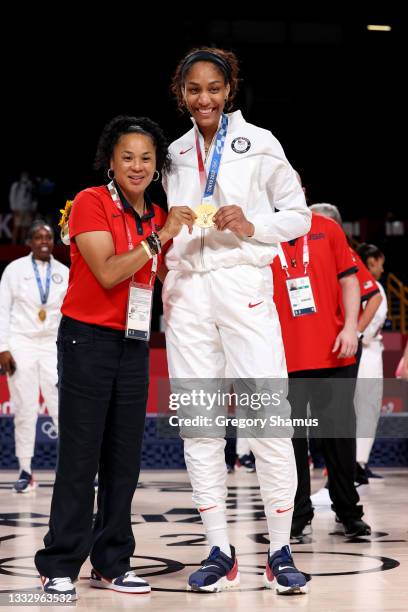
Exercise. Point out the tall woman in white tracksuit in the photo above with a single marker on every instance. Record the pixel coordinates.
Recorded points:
(217, 295)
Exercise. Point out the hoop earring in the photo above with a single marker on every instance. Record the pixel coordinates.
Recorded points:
(109, 176)
(157, 177)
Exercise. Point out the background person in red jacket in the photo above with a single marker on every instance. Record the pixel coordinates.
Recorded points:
(367, 394)
(319, 328)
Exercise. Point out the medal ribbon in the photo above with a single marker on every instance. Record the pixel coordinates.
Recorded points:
(208, 186)
(44, 293)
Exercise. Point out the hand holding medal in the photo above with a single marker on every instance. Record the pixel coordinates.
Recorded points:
(177, 217)
(232, 218)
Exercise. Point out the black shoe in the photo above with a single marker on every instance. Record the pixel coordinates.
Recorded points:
(361, 477)
(356, 527)
(300, 528)
(246, 462)
(371, 474)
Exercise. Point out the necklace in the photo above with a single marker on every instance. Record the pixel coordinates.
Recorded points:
(207, 148)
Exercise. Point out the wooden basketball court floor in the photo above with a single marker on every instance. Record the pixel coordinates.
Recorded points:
(369, 573)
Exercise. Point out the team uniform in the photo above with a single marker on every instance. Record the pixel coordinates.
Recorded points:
(217, 298)
(309, 340)
(31, 341)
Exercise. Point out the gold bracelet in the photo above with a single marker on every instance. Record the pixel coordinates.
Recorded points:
(146, 248)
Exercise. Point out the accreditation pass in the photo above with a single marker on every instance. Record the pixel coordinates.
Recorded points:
(301, 296)
(139, 311)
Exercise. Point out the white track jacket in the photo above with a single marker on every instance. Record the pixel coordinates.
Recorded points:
(255, 175)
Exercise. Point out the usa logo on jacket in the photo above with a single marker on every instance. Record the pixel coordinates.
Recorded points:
(240, 145)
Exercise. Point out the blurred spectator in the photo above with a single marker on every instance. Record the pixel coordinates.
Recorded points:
(402, 370)
(23, 204)
(31, 292)
(369, 393)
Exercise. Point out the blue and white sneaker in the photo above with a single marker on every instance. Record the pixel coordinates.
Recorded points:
(127, 583)
(59, 586)
(217, 573)
(282, 575)
(25, 483)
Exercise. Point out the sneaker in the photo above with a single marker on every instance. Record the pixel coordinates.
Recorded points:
(281, 574)
(217, 573)
(127, 583)
(25, 483)
(356, 527)
(59, 586)
(246, 462)
(361, 476)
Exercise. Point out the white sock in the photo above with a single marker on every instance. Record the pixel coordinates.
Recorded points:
(25, 464)
(279, 530)
(215, 525)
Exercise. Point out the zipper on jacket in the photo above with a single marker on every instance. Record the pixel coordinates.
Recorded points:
(202, 249)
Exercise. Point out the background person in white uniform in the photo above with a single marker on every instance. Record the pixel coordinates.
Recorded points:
(369, 390)
(31, 292)
(217, 298)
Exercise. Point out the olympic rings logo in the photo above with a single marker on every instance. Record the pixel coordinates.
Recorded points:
(48, 428)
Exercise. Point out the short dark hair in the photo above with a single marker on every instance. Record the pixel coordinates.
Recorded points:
(36, 225)
(225, 61)
(365, 251)
(125, 124)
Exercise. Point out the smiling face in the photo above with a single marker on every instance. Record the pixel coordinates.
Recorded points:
(134, 163)
(205, 93)
(42, 243)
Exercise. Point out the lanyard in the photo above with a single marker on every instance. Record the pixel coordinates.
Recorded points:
(305, 256)
(117, 201)
(208, 186)
(44, 293)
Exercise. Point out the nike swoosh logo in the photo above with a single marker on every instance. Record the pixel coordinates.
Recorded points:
(185, 151)
(207, 566)
(253, 305)
(205, 509)
(282, 567)
(279, 510)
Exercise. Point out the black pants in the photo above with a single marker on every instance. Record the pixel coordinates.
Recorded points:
(103, 387)
(331, 401)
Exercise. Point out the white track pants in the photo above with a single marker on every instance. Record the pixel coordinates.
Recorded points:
(368, 398)
(218, 321)
(36, 361)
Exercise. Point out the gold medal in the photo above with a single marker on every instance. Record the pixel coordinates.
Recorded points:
(205, 213)
(42, 314)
